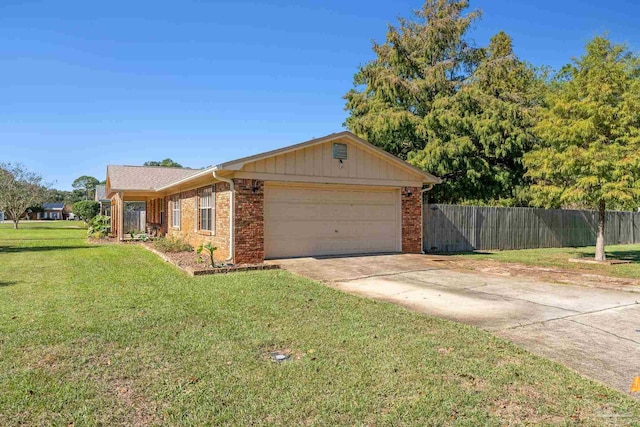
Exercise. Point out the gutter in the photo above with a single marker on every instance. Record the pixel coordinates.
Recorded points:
(232, 213)
(424, 190)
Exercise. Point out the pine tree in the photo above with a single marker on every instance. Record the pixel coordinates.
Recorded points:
(478, 136)
(461, 112)
(422, 61)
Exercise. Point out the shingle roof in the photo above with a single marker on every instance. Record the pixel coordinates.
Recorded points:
(53, 206)
(101, 192)
(145, 177)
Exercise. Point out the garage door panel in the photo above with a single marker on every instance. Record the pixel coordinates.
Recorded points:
(322, 220)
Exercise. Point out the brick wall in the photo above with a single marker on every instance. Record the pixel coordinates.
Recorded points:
(249, 221)
(189, 220)
(411, 220)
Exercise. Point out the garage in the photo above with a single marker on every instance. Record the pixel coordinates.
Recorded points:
(317, 220)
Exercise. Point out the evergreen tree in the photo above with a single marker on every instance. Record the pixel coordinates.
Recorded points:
(461, 112)
(477, 137)
(421, 62)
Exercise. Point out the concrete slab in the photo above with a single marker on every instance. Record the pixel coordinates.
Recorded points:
(485, 310)
(595, 331)
(592, 352)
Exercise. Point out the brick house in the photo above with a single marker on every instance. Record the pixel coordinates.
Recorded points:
(334, 195)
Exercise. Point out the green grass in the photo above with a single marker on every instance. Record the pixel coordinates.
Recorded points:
(559, 257)
(110, 335)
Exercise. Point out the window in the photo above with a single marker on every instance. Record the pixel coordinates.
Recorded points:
(161, 211)
(175, 207)
(206, 209)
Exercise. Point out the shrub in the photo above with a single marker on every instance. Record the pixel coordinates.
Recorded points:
(86, 209)
(210, 250)
(99, 226)
(172, 244)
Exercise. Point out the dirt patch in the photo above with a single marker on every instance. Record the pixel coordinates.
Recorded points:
(519, 406)
(141, 411)
(547, 274)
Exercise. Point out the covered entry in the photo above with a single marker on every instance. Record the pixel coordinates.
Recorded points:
(315, 220)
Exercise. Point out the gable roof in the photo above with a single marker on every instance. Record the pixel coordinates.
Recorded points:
(53, 206)
(141, 178)
(157, 178)
(239, 163)
(101, 192)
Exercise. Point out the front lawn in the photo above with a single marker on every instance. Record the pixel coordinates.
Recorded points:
(111, 335)
(559, 257)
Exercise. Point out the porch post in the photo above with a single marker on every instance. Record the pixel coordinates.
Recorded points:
(121, 217)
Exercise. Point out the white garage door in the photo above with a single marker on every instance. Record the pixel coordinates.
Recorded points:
(330, 220)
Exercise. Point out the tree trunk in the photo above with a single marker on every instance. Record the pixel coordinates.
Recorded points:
(600, 255)
(15, 224)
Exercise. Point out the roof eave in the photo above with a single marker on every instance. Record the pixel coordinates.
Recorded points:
(187, 179)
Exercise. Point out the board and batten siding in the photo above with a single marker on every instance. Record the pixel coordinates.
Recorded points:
(360, 167)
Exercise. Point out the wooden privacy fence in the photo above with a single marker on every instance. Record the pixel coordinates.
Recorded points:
(451, 228)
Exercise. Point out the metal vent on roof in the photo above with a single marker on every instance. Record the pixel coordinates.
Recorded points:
(340, 151)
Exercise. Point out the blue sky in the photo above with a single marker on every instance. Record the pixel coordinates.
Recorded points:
(85, 84)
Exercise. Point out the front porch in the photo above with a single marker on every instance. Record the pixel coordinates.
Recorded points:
(148, 217)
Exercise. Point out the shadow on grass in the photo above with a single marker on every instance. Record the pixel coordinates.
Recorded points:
(17, 249)
(41, 239)
(39, 227)
(633, 256)
(459, 253)
(4, 284)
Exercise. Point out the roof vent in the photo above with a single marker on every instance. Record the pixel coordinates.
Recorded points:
(340, 151)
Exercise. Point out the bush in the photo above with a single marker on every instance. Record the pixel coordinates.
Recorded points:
(86, 209)
(99, 226)
(172, 244)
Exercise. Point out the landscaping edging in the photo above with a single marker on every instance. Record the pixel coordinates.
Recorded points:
(222, 270)
(233, 269)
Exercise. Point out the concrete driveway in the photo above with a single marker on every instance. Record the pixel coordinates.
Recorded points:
(592, 330)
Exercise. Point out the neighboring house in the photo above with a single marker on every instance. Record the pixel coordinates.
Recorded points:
(101, 197)
(51, 211)
(1, 216)
(334, 195)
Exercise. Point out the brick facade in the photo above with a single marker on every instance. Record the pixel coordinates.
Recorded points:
(249, 221)
(411, 220)
(189, 220)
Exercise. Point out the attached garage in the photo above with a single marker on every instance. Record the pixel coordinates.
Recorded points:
(335, 195)
(314, 220)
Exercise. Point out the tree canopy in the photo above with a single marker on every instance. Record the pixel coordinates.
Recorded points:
(462, 112)
(86, 209)
(86, 184)
(19, 189)
(589, 130)
(167, 163)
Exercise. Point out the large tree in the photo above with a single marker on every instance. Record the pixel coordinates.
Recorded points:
(461, 112)
(19, 189)
(477, 137)
(589, 151)
(422, 61)
(86, 184)
(167, 163)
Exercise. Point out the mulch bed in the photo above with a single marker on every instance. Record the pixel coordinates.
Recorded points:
(190, 263)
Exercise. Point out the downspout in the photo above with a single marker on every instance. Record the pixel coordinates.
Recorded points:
(232, 213)
(424, 190)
